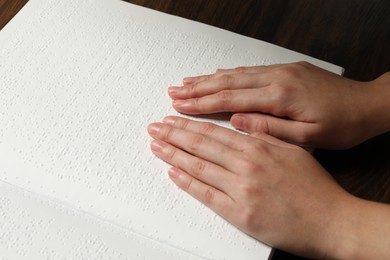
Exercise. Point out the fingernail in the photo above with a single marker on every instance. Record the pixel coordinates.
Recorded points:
(157, 146)
(174, 173)
(174, 90)
(188, 80)
(170, 120)
(181, 103)
(154, 128)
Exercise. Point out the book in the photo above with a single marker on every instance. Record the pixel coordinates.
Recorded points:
(80, 81)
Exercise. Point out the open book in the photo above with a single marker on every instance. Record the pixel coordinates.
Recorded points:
(79, 82)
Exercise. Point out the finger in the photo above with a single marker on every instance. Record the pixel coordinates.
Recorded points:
(291, 131)
(200, 169)
(272, 140)
(198, 145)
(226, 136)
(218, 201)
(243, 100)
(196, 79)
(220, 83)
(249, 69)
(241, 69)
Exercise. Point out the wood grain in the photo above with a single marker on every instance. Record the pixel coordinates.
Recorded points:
(351, 33)
(8, 9)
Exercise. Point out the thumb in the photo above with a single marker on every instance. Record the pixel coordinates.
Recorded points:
(295, 132)
(272, 140)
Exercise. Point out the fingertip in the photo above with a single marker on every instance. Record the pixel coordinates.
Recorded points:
(179, 177)
(170, 120)
(154, 128)
(179, 103)
(174, 91)
(184, 106)
(174, 173)
(157, 146)
(196, 79)
(238, 121)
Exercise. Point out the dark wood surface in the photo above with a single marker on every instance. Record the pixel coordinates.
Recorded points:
(354, 34)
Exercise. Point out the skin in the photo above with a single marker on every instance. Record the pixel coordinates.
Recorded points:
(298, 103)
(271, 189)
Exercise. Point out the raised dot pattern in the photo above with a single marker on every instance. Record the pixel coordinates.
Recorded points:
(80, 81)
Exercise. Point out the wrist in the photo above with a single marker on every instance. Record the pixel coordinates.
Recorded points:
(342, 238)
(380, 103)
(361, 231)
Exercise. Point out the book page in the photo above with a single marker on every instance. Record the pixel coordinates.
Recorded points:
(80, 81)
(33, 227)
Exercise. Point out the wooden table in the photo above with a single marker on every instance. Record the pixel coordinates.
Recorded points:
(354, 34)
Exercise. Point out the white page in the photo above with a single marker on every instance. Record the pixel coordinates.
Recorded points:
(33, 227)
(80, 81)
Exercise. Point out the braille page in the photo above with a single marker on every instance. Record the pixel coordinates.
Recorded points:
(33, 227)
(80, 81)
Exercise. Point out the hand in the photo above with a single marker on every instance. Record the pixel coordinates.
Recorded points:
(272, 190)
(298, 102)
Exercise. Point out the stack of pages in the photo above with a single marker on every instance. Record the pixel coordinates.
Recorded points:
(79, 82)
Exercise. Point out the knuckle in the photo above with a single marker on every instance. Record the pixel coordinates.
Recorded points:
(188, 186)
(169, 133)
(207, 128)
(196, 141)
(225, 95)
(248, 166)
(250, 218)
(198, 168)
(192, 89)
(182, 123)
(233, 139)
(280, 91)
(171, 154)
(197, 105)
(224, 98)
(197, 102)
(225, 79)
(258, 146)
(303, 63)
(208, 196)
(305, 138)
(210, 76)
(289, 71)
(250, 190)
(261, 126)
(240, 69)
(249, 215)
